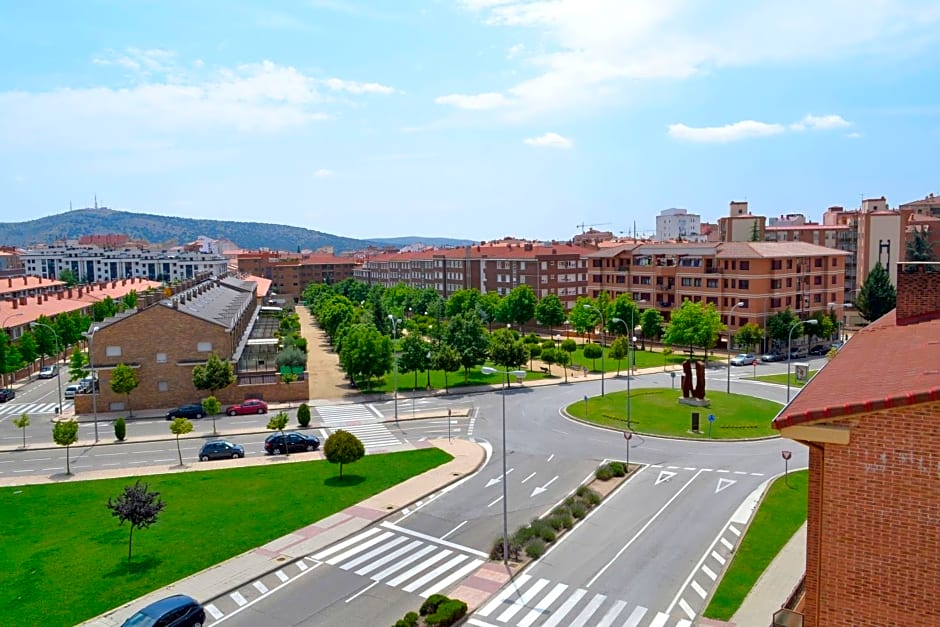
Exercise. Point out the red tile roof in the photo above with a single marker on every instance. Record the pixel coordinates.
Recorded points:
(10, 285)
(884, 365)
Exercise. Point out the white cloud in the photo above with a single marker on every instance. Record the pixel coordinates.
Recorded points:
(745, 129)
(820, 123)
(515, 51)
(549, 140)
(854, 135)
(338, 84)
(474, 102)
(138, 60)
(596, 50)
(324, 173)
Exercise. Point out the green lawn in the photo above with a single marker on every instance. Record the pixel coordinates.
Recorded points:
(406, 380)
(781, 378)
(779, 516)
(64, 557)
(657, 411)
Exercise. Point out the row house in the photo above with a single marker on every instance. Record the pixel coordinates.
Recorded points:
(755, 279)
(290, 273)
(94, 263)
(548, 268)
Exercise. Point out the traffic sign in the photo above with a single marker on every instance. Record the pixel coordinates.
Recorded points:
(627, 435)
(786, 454)
(711, 417)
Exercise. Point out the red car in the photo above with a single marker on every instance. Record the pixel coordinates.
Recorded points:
(250, 406)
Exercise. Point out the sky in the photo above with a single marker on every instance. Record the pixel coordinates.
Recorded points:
(472, 119)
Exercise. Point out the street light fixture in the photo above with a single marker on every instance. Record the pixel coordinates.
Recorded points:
(630, 340)
(395, 322)
(790, 351)
(603, 342)
(730, 314)
(58, 350)
(519, 373)
(94, 376)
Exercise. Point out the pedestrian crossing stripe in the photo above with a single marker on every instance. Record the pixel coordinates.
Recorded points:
(32, 408)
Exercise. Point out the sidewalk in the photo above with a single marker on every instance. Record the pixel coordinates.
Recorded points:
(254, 564)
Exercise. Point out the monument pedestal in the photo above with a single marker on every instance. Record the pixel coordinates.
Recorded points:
(694, 402)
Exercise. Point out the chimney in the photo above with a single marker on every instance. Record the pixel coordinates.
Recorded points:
(25, 281)
(59, 294)
(79, 291)
(39, 299)
(70, 292)
(10, 282)
(123, 281)
(918, 298)
(23, 300)
(16, 305)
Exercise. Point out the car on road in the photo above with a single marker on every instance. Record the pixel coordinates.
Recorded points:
(72, 389)
(221, 449)
(249, 406)
(190, 410)
(797, 352)
(744, 359)
(178, 610)
(296, 443)
(819, 349)
(48, 372)
(7, 394)
(837, 344)
(768, 357)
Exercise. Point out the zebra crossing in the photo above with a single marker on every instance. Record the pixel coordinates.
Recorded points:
(362, 420)
(15, 409)
(532, 601)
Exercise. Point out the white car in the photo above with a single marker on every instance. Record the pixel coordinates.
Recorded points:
(744, 359)
(48, 372)
(72, 389)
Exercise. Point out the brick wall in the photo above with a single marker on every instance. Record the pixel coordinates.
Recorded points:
(918, 294)
(874, 523)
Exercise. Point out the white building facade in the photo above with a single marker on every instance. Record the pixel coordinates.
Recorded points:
(678, 224)
(93, 263)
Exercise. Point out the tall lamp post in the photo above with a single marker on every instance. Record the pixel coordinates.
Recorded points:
(4, 326)
(790, 351)
(58, 350)
(630, 340)
(94, 377)
(603, 342)
(487, 370)
(731, 313)
(395, 322)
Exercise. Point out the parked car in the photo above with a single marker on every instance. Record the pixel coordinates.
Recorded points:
(296, 443)
(819, 349)
(178, 610)
(797, 352)
(221, 449)
(744, 359)
(837, 344)
(7, 394)
(72, 389)
(86, 384)
(768, 357)
(190, 410)
(250, 406)
(48, 372)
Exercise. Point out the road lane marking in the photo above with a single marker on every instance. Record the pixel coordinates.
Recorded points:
(513, 586)
(408, 574)
(643, 529)
(659, 620)
(260, 587)
(542, 606)
(522, 600)
(213, 611)
(500, 498)
(664, 475)
(273, 590)
(460, 572)
(281, 575)
(336, 559)
(498, 478)
(529, 477)
(342, 545)
(734, 530)
(388, 558)
(588, 611)
(718, 558)
(434, 574)
(238, 598)
(687, 608)
(454, 530)
(727, 544)
(566, 607)
(612, 614)
(366, 557)
(699, 590)
(723, 484)
(709, 572)
(429, 538)
(636, 616)
(550, 458)
(399, 565)
(363, 591)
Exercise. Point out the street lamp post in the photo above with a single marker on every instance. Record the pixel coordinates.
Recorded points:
(603, 341)
(731, 313)
(487, 370)
(630, 340)
(790, 351)
(4, 326)
(94, 377)
(58, 350)
(395, 322)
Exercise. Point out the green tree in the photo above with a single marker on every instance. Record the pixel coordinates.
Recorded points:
(67, 276)
(507, 350)
(138, 506)
(549, 356)
(694, 324)
(5, 349)
(77, 365)
(583, 315)
(535, 351)
(563, 358)
(291, 356)
(468, 337)
(413, 355)
(749, 336)
(355, 291)
(550, 311)
(47, 342)
(21, 423)
(918, 248)
(755, 231)
(67, 330)
(129, 300)
(303, 415)
(124, 381)
(216, 374)
(277, 423)
(212, 407)
(593, 352)
(625, 309)
(120, 429)
(779, 324)
(651, 325)
(877, 296)
(65, 433)
(342, 447)
(27, 347)
(488, 308)
(519, 305)
(619, 350)
(446, 359)
(180, 426)
(365, 353)
(462, 302)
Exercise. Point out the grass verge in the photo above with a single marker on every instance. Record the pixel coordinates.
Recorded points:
(781, 379)
(779, 516)
(64, 556)
(656, 411)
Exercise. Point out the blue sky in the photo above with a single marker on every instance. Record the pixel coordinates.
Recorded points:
(466, 118)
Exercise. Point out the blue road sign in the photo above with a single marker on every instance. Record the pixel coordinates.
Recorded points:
(711, 417)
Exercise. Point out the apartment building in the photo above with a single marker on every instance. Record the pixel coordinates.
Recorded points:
(290, 273)
(548, 268)
(678, 224)
(922, 215)
(873, 523)
(94, 263)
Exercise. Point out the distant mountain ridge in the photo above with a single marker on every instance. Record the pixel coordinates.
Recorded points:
(164, 229)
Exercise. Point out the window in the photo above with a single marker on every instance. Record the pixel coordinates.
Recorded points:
(697, 282)
(775, 302)
(817, 280)
(817, 263)
(163, 386)
(776, 284)
(834, 262)
(790, 282)
(745, 265)
(112, 351)
(686, 282)
(744, 284)
(776, 264)
(713, 283)
(204, 347)
(835, 279)
(789, 264)
(161, 358)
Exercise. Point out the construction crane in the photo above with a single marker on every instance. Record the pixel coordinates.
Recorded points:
(582, 225)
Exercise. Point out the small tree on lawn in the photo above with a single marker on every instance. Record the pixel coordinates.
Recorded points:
(563, 358)
(303, 415)
(447, 359)
(21, 423)
(178, 427)
(214, 375)
(593, 351)
(342, 447)
(65, 433)
(138, 506)
(549, 356)
(619, 350)
(124, 381)
(212, 407)
(277, 423)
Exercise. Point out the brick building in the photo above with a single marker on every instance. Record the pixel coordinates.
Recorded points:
(869, 419)
(290, 273)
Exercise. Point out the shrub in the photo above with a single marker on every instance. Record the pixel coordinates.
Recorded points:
(591, 498)
(535, 548)
(448, 613)
(547, 534)
(410, 620)
(120, 429)
(496, 553)
(430, 604)
(523, 535)
(602, 473)
(303, 415)
(579, 510)
(570, 501)
(617, 469)
(583, 489)
(561, 510)
(538, 526)
(557, 522)
(548, 344)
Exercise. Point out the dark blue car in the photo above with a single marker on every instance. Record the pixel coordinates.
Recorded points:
(178, 610)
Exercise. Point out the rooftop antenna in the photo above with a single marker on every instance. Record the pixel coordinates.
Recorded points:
(96, 201)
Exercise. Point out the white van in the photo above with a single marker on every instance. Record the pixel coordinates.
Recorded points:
(72, 389)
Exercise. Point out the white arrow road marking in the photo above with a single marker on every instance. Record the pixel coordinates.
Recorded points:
(664, 475)
(724, 483)
(540, 489)
(496, 480)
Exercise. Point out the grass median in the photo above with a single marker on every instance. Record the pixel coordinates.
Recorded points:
(657, 411)
(64, 558)
(779, 516)
(781, 379)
